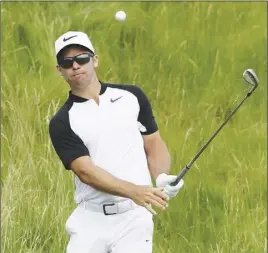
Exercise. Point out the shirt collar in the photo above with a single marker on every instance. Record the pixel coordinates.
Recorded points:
(78, 99)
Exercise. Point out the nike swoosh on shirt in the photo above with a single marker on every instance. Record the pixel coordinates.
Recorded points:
(65, 39)
(113, 100)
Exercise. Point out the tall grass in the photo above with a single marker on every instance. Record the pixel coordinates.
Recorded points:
(189, 58)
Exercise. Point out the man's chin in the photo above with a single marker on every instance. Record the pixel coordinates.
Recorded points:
(79, 85)
(81, 81)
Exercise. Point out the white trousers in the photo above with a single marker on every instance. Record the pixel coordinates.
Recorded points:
(95, 232)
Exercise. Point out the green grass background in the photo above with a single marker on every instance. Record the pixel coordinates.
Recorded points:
(189, 58)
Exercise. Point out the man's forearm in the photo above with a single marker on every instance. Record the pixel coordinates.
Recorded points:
(158, 159)
(102, 180)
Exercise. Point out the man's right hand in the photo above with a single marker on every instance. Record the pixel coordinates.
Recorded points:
(149, 196)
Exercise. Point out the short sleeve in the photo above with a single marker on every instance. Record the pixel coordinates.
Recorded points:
(146, 120)
(66, 143)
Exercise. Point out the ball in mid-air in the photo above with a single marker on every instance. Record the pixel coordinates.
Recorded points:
(120, 16)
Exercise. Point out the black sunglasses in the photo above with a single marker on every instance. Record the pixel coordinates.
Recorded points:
(81, 59)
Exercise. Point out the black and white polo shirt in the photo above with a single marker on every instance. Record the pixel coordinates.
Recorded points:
(110, 133)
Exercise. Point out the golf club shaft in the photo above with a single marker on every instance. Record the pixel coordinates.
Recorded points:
(188, 166)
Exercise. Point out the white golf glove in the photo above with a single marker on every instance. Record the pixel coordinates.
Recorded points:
(164, 180)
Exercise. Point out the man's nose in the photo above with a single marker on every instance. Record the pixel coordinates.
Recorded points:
(76, 65)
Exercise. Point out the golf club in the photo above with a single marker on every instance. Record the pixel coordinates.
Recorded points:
(250, 76)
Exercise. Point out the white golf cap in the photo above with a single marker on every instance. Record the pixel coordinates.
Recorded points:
(73, 38)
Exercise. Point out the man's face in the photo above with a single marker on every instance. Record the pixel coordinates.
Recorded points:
(78, 75)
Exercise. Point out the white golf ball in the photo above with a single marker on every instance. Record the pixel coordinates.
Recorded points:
(120, 16)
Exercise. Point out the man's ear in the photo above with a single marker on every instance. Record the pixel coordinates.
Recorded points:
(59, 69)
(95, 61)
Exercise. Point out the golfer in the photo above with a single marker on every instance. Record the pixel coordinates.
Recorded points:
(107, 136)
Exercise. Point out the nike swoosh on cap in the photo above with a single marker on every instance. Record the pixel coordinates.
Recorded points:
(65, 39)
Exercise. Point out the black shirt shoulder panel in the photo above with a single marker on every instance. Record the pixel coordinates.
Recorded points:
(66, 143)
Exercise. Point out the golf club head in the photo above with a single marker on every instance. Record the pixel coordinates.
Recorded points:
(251, 77)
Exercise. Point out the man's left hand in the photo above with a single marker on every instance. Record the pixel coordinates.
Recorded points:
(164, 180)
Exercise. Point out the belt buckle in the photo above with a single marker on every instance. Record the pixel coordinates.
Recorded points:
(104, 209)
